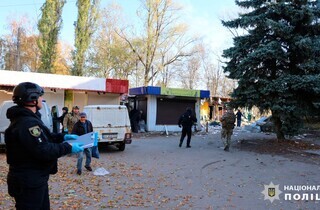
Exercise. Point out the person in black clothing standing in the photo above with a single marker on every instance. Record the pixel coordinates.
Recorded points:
(186, 120)
(32, 151)
(55, 120)
(64, 113)
(134, 116)
(239, 116)
(81, 127)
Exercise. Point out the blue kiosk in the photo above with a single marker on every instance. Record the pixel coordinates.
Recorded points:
(162, 107)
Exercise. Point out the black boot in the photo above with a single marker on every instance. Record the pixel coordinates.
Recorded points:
(180, 144)
(188, 143)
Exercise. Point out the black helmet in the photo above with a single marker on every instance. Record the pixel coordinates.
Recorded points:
(65, 109)
(26, 92)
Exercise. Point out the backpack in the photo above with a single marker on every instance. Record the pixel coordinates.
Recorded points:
(228, 120)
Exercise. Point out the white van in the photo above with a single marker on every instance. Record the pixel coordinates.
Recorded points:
(4, 121)
(111, 122)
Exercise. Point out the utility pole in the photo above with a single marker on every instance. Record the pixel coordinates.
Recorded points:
(2, 53)
(18, 67)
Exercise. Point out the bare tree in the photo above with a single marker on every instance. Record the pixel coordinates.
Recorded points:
(163, 41)
(19, 47)
(212, 72)
(227, 86)
(109, 54)
(62, 64)
(20, 51)
(174, 50)
(190, 70)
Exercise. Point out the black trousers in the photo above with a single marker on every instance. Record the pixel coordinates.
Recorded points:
(186, 131)
(27, 197)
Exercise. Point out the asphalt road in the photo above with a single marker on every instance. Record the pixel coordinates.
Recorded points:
(154, 173)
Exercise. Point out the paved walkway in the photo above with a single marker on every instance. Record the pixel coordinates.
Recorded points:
(154, 173)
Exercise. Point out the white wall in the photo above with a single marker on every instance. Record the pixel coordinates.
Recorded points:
(80, 99)
(54, 98)
(151, 112)
(104, 98)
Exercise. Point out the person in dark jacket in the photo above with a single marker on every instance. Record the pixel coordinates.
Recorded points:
(55, 121)
(31, 150)
(239, 116)
(64, 112)
(186, 120)
(134, 116)
(81, 127)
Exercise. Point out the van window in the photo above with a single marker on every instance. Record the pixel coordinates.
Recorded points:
(102, 117)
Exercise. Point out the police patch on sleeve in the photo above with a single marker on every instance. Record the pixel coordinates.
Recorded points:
(35, 131)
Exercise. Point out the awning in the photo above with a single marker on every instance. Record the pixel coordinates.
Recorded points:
(12, 78)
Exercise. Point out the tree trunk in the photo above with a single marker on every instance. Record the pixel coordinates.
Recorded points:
(278, 125)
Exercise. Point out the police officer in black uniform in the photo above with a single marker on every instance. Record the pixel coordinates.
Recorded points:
(186, 120)
(32, 151)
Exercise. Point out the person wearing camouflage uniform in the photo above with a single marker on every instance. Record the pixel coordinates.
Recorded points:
(70, 119)
(227, 120)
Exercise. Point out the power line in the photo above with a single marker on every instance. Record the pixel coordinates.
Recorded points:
(18, 5)
(30, 4)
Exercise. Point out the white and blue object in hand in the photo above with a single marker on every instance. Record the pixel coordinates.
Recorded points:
(87, 140)
(70, 137)
(76, 147)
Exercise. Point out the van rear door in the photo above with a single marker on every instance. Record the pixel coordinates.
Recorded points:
(110, 121)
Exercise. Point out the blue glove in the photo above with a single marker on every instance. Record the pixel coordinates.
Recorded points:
(76, 147)
(70, 137)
